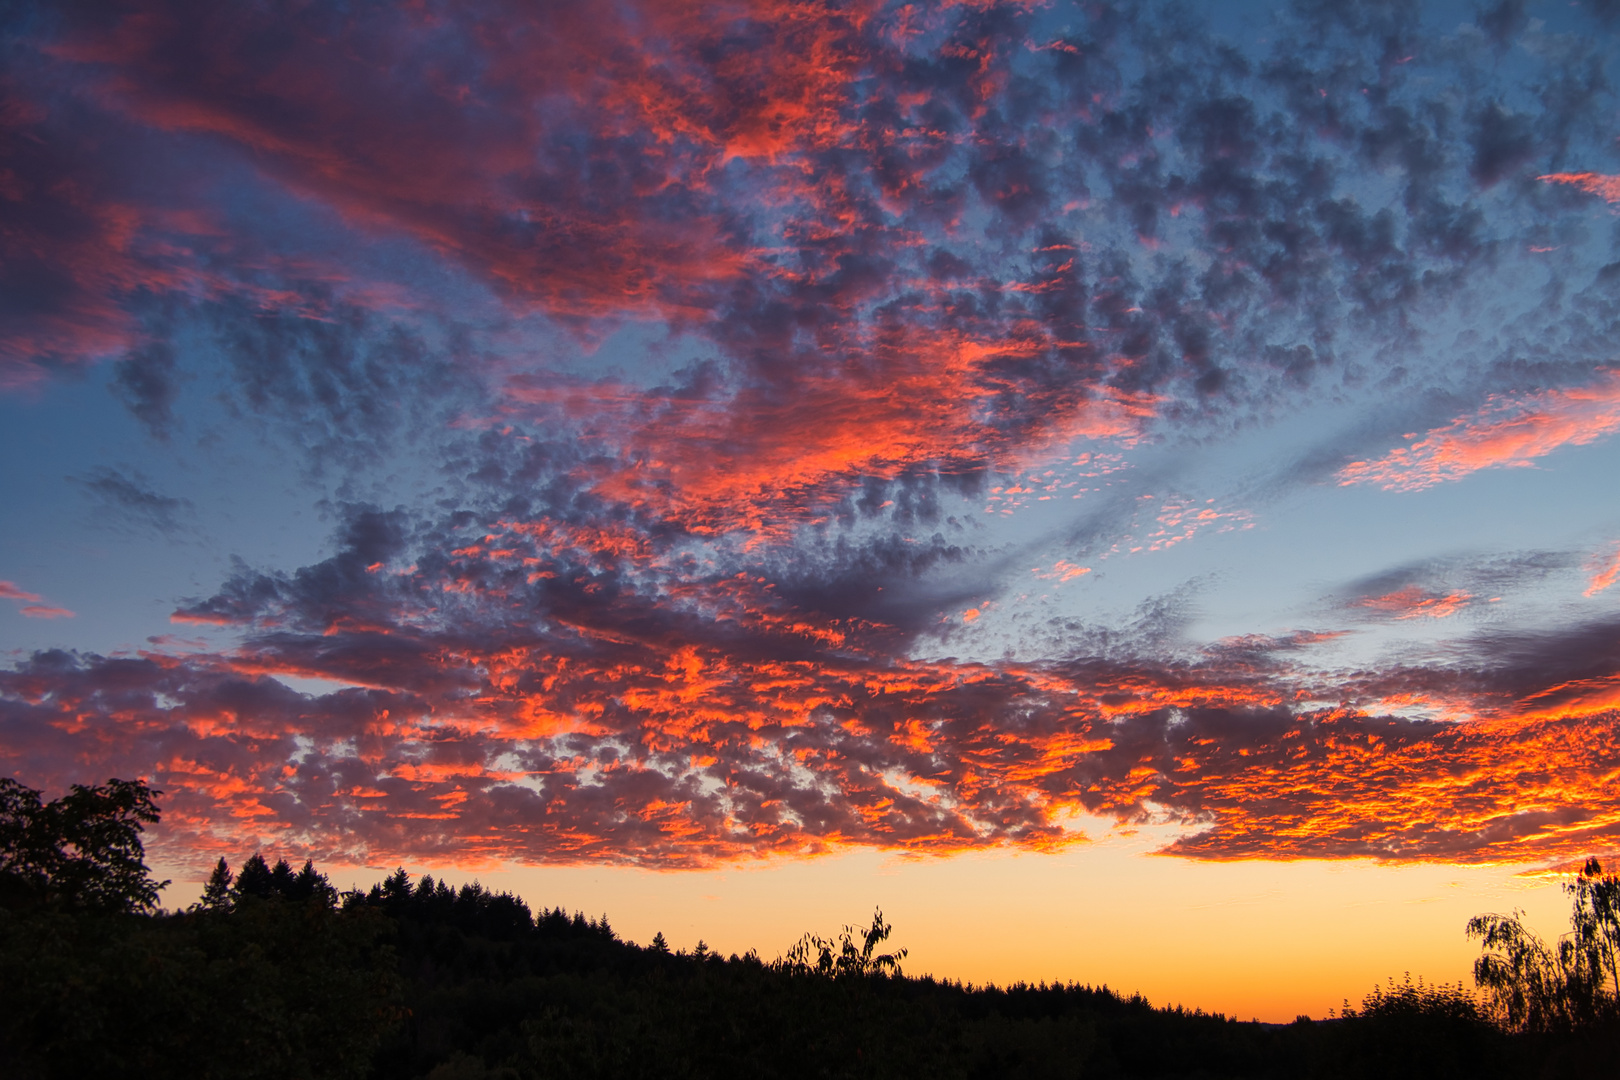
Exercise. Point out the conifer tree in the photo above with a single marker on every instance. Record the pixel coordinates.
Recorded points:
(217, 894)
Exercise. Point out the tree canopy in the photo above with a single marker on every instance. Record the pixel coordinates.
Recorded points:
(258, 880)
(1569, 985)
(80, 851)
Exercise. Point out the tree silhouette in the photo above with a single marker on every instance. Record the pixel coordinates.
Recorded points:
(259, 880)
(1596, 929)
(813, 954)
(217, 895)
(472, 909)
(80, 851)
(1536, 987)
(270, 981)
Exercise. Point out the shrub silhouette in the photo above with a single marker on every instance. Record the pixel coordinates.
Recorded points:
(1406, 1028)
(1446, 1001)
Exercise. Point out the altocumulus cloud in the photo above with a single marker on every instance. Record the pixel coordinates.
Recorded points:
(688, 617)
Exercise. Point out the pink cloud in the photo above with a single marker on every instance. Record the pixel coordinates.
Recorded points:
(1608, 187)
(758, 458)
(1505, 433)
(32, 606)
(9, 591)
(43, 611)
(200, 618)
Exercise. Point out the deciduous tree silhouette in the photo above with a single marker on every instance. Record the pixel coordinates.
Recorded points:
(81, 851)
(1575, 984)
(1596, 928)
(813, 954)
(264, 978)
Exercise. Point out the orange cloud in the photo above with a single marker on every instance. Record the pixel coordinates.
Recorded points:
(670, 752)
(199, 619)
(1513, 789)
(765, 458)
(1413, 602)
(1506, 433)
(691, 720)
(662, 92)
(1603, 573)
(597, 673)
(1062, 570)
(1179, 521)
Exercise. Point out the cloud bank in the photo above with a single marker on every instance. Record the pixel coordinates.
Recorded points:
(697, 605)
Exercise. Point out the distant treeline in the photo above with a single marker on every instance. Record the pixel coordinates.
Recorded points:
(274, 973)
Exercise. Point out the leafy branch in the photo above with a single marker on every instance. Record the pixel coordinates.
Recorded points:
(843, 958)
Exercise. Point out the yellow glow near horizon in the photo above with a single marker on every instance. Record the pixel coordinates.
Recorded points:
(1260, 940)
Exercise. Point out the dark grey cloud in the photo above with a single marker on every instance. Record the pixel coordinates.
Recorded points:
(146, 379)
(1474, 578)
(1556, 664)
(129, 500)
(1504, 21)
(1244, 160)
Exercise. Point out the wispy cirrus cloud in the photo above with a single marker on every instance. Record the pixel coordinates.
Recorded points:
(1605, 187)
(1604, 569)
(132, 500)
(721, 459)
(31, 605)
(1508, 432)
(8, 591)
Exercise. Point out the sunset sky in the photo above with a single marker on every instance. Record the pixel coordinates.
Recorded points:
(1132, 489)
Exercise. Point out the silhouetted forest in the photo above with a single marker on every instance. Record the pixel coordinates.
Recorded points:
(274, 973)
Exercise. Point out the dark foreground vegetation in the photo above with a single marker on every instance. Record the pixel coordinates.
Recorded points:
(275, 974)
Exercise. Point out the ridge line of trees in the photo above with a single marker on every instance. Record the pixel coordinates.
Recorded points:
(273, 972)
